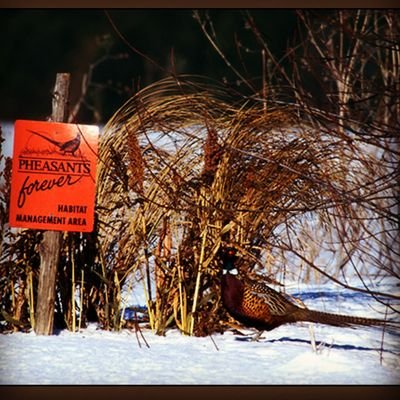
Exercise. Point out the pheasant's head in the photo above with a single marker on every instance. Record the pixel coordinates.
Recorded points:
(228, 256)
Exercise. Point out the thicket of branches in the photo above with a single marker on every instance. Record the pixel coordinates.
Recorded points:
(299, 171)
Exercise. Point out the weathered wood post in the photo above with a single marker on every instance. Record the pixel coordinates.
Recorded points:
(51, 243)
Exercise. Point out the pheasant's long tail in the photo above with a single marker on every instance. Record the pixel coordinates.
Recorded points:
(46, 138)
(340, 320)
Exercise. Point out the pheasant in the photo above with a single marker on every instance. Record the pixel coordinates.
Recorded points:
(259, 306)
(70, 146)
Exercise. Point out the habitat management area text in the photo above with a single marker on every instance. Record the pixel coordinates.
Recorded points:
(57, 219)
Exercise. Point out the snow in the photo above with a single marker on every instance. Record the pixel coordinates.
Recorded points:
(282, 356)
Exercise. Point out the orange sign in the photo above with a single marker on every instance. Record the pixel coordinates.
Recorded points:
(53, 176)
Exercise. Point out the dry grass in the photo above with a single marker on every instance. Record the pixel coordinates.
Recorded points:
(184, 168)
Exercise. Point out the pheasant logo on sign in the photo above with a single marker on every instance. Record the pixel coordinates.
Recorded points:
(69, 146)
(53, 176)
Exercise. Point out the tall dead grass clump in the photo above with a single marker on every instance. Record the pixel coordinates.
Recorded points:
(215, 170)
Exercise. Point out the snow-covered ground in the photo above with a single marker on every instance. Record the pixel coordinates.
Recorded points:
(282, 356)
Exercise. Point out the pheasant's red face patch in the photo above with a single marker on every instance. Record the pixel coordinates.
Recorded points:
(231, 252)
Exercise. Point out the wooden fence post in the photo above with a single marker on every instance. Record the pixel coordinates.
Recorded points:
(51, 243)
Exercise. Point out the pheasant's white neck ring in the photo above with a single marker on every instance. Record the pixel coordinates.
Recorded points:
(232, 271)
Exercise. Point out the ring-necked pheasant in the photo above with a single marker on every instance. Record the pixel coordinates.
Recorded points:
(70, 146)
(259, 306)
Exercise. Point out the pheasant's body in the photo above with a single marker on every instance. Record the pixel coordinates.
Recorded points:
(259, 306)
